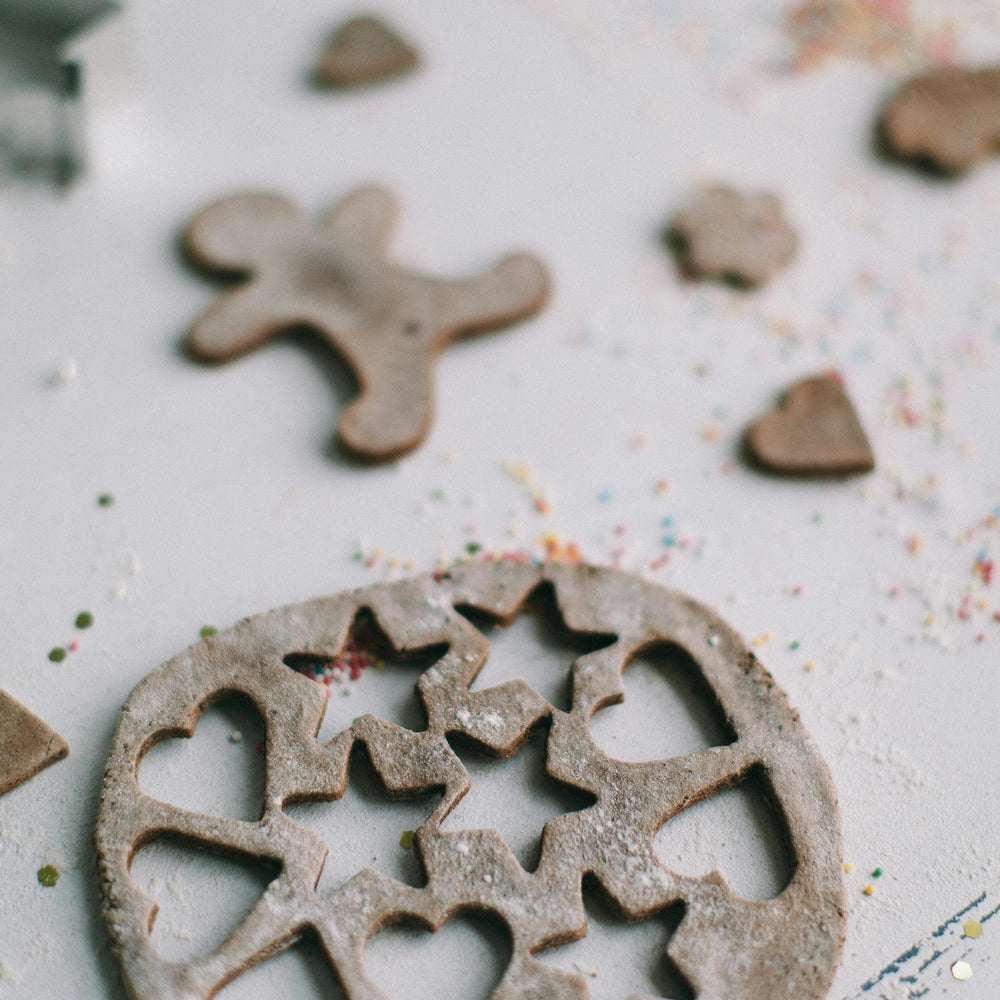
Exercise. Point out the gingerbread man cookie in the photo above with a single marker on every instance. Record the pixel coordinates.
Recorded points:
(726, 947)
(731, 236)
(388, 323)
(948, 119)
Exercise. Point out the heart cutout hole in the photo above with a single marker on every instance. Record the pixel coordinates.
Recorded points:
(219, 771)
(464, 960)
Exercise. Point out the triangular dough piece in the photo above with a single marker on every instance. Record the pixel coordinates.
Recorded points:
(27, 744)
(365, 50)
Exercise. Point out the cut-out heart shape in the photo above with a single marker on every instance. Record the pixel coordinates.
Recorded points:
(737, 832)
(301, 972)
(202, 896)
(622, 959)
(365, 50)
(27, 744)
(364, 828)
(816, 433)
(515, 796)
(669, 710)
(464, 960)
(219, 771)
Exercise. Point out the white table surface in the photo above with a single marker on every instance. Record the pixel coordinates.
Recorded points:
(573, 129)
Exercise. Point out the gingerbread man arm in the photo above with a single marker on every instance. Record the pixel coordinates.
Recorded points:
(513, 289)
(366, 217)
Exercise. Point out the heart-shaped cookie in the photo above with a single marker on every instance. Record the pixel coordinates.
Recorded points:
(365, 50)
(815, 433)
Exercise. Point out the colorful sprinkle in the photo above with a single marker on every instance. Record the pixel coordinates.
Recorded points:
(84, 619)
(877, 873)
(207, 631)
(105, 500)
(849, 866)
(972, 929)
(406, 840)
(961, 971)
(58, 654)
(48, 875)
(869, 890)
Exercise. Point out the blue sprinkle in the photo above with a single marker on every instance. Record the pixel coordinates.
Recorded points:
(605, 496)
(669, 540)
(667, 522)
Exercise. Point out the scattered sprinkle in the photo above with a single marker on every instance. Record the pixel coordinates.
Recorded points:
(48, 875)
(105, 500)
(811, 666)
(877, 873)
(406, 840)
(849, 866)
(869, 890)
(58, 654)
(235, 736)
(972, 929)
(207, 631)
(961, 971)
(84, 619)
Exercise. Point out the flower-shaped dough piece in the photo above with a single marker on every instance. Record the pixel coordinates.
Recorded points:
(948, 118)
(388, 323)
(731, 236)
(725, 946)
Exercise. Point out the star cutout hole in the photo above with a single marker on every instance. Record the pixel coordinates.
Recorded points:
(537, 647)
(368, 676)
(365, 827)
(515, 796)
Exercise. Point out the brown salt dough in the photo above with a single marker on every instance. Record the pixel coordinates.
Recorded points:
(732, 236)
(27, 744)
(815, 433)
(388, 323)
(726, 947)
(949, 118)
(365, 50)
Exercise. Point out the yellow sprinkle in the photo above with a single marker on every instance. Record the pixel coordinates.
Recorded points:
(811, 666)
(962, 971)
(869, 890)
(972, 929)
(849, 867)
(710, 432)
(929, 620)
(764, 637)
(406, 840)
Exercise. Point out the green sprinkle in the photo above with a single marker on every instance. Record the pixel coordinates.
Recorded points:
(795, 645)
(58, 654)
(472, 548)
(84, 619)
(48, 875)
(105, 500)
(207, 631)
(406, 840)
(877, 873)
(817, 518)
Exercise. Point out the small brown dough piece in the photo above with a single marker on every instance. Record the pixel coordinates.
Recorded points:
(732, 236)
(27, 744)
(948, 118)
(388, 323)
(365, 50)
(726, 947)
(815, 433)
